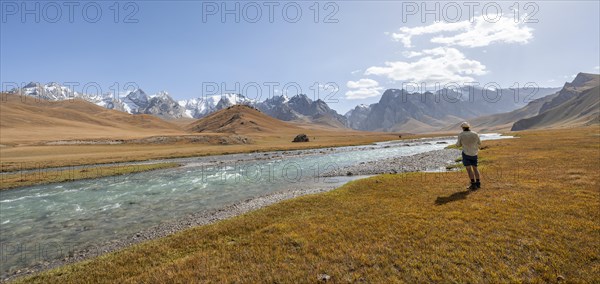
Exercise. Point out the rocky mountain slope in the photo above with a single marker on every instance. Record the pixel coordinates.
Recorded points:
(399, 110)
(297, 108)
(577, 104)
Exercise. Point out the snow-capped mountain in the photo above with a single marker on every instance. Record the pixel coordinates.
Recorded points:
(163, 106)
(200, 107)
(298, 107)
(134, 102)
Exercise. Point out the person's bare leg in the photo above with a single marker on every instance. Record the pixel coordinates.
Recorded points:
(470, 172)
(477, 181)
(476, 171)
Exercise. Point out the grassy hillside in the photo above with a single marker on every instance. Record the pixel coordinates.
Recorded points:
(27, 119)
(239, 119)
(534, 220)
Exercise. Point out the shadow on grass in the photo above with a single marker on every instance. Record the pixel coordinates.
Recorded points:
(453, 197)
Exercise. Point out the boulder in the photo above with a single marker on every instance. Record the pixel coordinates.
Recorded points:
(301, 138)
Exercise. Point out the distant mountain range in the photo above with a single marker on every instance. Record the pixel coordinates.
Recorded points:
(401, 111)
(297, 108)
(576, 104)
(396, 111)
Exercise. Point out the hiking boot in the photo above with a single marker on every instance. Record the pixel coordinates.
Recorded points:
(472, 187)
(478, 184)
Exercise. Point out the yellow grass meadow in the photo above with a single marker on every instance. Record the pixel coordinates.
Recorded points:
(534, 220)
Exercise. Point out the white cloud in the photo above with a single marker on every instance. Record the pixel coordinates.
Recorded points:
(362, 83)
(411, 54)
(355, 72)
(476, 33)
(438, 65)
(362, 89)
(597, 67)
(405, 35)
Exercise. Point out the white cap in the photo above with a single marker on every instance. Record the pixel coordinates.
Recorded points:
(465, 125)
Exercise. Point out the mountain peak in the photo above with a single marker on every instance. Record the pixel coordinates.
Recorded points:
(162, 94)
(32, 85)
(584, 79)
(302, 97)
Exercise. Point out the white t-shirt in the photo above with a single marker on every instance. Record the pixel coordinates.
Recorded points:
(469, 141)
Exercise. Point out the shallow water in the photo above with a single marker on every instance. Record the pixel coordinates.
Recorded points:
(43, 222)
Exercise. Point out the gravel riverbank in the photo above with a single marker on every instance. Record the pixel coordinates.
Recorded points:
(428, 161)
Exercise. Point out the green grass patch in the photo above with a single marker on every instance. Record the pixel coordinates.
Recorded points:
(456, 166)
(452, 146)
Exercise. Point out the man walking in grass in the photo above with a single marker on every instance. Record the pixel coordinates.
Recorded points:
(469, 141)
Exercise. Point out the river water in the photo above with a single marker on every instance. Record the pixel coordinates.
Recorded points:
(36, 220)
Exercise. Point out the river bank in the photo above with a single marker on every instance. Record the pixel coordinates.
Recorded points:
(165, 229)
(164, 202)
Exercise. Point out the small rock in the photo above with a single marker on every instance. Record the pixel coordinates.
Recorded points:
(323, 277)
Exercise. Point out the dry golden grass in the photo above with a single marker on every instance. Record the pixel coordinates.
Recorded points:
(26, 120)
(535, 220)
(240, 119)
(33, 157)
(45, 176)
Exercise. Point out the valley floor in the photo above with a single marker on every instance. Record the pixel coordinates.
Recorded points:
(534, 220)
(36, 156)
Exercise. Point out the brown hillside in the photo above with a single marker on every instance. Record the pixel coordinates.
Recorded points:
(25, 119)
(239, 119)
(504, 121)
(576, 104)
(580, 110)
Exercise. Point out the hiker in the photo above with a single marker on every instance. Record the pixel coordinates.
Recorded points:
(469, 141)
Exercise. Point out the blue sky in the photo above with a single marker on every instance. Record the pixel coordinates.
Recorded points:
(172, 48)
